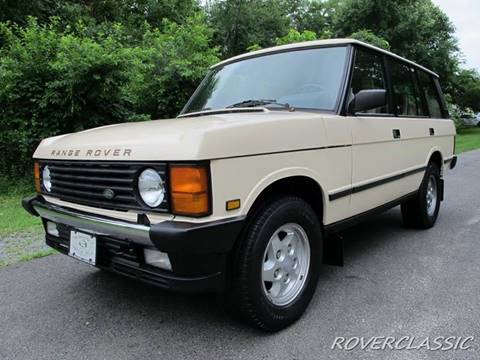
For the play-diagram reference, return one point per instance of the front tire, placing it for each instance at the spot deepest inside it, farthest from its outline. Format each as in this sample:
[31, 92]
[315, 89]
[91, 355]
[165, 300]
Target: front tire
[421, 212]
[277, 264]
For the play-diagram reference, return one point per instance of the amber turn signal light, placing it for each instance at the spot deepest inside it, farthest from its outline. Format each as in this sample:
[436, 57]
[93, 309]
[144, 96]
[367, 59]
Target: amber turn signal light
[36, 172]
[189, 186]
[233, 204]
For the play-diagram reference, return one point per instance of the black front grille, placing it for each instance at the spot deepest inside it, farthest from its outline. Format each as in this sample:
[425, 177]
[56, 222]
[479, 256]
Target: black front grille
[91, 183]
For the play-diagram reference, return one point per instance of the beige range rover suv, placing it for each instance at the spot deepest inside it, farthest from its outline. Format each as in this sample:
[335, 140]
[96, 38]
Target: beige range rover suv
[276, 151]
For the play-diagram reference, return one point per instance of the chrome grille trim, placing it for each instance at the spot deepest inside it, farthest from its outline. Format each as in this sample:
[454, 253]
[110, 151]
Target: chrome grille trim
[84, 182]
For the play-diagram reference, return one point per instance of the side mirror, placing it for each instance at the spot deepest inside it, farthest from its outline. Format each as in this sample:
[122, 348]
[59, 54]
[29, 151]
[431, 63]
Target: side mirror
[368, 99]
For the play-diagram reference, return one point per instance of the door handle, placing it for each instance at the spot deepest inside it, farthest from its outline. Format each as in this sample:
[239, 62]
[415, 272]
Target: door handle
[432, 131]
[396, 133]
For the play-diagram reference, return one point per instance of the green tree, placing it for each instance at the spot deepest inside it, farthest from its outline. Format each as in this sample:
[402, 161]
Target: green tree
[176, 59]
[134, 13]
[416, 29]
[125, 11]
[18, 11]
[466, 89]
[370, 38]
[239, 24]
[312, 15]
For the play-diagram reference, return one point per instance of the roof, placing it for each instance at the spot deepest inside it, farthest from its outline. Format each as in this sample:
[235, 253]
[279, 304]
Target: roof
[313, 44]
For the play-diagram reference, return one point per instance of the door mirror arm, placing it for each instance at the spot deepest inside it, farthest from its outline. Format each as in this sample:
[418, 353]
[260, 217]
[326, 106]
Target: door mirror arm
[367, 100]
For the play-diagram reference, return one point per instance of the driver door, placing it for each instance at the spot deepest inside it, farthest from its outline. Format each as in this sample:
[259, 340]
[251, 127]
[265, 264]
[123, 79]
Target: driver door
[377, 150]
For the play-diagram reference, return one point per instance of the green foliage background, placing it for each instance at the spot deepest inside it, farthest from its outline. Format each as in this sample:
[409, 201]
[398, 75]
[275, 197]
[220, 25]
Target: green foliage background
[75, 64]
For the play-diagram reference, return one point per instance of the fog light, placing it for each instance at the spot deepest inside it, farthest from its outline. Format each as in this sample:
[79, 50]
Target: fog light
[158, 259]
[52, 229]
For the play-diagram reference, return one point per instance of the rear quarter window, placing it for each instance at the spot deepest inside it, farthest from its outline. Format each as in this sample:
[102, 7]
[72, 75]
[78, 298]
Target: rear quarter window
[431, 94]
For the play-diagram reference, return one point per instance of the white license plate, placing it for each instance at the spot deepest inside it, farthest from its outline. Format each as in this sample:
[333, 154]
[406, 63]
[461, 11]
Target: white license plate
[83, 247]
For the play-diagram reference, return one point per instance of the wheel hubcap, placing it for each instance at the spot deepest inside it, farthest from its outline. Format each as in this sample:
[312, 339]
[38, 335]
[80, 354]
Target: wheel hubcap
[431, 197]
[286, 264]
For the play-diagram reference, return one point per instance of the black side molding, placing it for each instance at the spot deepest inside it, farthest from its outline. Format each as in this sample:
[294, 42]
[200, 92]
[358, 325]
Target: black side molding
[346, 223]
[376, 183]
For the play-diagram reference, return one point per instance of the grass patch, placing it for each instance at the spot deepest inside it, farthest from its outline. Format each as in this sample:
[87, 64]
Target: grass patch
[23, 246]
[13, 217]
[37, 254]
[468, 139]
[21, 234]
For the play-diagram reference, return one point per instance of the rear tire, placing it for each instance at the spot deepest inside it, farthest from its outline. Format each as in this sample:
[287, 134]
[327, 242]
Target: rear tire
[276, 265]
[421, 212]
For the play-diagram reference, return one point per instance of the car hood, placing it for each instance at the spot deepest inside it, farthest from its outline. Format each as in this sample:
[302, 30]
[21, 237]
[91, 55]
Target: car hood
[191, 138]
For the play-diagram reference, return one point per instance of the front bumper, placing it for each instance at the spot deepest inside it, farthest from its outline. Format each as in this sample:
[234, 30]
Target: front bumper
[197, 251]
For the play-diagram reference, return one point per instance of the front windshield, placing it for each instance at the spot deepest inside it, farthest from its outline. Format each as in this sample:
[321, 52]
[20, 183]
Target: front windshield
[308, 78]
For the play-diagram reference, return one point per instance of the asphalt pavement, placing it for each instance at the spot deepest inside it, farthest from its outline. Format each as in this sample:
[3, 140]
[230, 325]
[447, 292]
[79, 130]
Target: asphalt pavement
[396, 282]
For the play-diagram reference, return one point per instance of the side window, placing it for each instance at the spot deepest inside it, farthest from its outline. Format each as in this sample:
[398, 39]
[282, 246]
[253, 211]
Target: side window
[431, 94]
[368, 73]
[406, 95]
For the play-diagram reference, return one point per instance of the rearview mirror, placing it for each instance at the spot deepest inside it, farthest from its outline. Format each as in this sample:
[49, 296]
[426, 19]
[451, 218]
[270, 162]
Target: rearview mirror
[368, 99]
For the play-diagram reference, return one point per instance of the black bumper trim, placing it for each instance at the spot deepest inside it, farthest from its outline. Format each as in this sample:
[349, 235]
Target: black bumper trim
[27, 204]
[208, 283]
[199, 238]
[198, 251]
[452, 161]
[136, 269]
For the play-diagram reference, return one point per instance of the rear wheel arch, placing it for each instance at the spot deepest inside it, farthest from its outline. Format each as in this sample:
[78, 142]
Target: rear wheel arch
[416, 211]
[437, 159]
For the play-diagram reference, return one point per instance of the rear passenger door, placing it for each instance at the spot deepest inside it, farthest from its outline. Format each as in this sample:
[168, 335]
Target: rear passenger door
[388, 141]
[441, 129]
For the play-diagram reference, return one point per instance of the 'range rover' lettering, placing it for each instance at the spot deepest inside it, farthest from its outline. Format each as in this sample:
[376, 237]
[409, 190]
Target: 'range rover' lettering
[92, 152]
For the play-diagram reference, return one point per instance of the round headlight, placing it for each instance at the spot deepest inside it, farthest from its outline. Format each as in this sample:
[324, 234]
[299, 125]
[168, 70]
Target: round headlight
[46, 179]
[150, 187]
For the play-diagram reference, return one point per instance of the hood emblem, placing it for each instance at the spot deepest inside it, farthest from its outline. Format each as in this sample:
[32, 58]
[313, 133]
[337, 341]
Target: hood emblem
[109, 194]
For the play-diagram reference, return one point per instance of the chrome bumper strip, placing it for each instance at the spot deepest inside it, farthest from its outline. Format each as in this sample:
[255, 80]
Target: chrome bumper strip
[136, 233]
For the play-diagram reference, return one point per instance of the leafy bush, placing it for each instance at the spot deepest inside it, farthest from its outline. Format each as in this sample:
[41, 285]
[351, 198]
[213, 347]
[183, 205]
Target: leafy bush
[174, 62]
[370, 38]
[458, 112]
[59, 81]
[294, 36]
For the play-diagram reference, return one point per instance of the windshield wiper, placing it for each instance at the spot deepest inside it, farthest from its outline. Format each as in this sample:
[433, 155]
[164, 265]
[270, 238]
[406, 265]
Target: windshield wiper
[260, 102]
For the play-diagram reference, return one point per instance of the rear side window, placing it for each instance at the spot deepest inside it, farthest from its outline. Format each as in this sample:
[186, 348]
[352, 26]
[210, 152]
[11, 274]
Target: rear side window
[431, 94]
[406, 95]
[368, 73]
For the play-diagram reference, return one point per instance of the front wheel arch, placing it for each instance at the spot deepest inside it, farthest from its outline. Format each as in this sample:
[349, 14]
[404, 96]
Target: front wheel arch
[303, 187]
